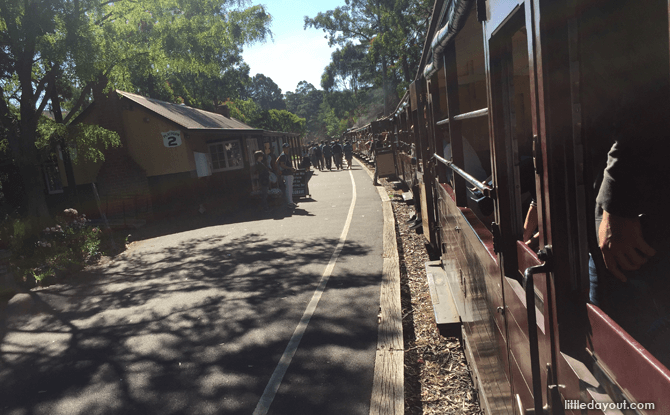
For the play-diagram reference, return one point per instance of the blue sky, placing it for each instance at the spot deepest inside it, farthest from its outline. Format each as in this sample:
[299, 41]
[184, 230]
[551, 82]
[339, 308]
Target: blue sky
[295, 54]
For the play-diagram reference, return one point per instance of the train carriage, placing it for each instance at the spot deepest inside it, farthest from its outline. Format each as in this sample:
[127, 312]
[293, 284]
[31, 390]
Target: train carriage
[510, 118]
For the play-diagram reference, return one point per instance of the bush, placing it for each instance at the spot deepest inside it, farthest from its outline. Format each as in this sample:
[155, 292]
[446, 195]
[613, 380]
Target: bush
[65, 247]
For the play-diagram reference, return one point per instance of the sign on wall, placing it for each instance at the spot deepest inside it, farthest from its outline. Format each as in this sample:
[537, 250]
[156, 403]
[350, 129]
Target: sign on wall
[202, 164]
[172, 139]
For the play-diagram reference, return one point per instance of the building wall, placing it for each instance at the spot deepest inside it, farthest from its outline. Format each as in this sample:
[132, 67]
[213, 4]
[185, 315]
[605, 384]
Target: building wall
[146, 146]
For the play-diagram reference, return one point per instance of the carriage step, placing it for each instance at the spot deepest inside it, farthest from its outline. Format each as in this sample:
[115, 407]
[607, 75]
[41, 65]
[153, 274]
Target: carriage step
[446, 314]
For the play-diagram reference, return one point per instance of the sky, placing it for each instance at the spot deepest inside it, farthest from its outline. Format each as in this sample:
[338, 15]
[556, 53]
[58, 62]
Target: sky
[294, 54]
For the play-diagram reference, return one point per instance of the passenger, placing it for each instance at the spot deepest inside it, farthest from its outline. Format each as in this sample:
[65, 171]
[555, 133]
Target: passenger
[312, 155]
[376, 147]
[318, 155]
[263, 171]
[287, 171]
[337, 154]
[634, 229]
[305, 163]
[327, 155]
[348, 153]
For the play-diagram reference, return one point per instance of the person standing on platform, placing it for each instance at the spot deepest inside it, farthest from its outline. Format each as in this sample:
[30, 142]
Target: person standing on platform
[284, 162]
[263, 178]
[312, 155]
[376, 146]
[348, 153]
[337, 154]
[318, 156]
[327, 155]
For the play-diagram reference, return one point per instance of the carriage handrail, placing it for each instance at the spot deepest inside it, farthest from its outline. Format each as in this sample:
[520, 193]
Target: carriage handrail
[472, 114]
[487, 190]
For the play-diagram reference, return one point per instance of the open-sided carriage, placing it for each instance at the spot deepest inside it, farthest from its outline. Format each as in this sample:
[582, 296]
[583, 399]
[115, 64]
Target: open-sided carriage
[517, 104]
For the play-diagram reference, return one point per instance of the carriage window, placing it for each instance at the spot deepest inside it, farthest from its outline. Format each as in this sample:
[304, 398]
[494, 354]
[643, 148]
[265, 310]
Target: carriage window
[468, 122]
[522, 139]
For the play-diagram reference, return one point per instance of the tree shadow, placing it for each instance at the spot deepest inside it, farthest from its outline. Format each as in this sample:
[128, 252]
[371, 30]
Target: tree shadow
[247, 212]
[186, 329]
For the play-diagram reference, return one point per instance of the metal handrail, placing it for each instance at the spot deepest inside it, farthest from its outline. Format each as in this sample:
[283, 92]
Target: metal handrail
[472, 114]
[483, 187]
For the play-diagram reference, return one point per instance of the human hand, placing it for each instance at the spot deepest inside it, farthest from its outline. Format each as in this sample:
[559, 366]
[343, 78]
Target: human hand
[622, 244]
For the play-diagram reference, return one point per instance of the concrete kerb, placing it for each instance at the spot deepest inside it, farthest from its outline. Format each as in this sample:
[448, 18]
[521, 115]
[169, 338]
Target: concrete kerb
[388, 396]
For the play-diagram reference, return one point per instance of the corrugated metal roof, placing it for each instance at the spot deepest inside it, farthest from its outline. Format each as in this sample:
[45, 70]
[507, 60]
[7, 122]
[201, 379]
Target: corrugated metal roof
[187, 117]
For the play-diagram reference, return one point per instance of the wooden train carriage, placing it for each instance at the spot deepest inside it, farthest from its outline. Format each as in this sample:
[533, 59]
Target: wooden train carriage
[527, 92]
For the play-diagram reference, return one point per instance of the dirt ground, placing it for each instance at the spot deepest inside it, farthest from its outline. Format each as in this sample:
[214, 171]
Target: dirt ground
[437, 378]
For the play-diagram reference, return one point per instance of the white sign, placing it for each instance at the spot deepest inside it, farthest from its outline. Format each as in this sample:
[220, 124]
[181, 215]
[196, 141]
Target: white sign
[202, 164]
[172, 139]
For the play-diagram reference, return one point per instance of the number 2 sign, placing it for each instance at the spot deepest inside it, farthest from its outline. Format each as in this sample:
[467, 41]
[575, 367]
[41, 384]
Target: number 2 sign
[172, 139]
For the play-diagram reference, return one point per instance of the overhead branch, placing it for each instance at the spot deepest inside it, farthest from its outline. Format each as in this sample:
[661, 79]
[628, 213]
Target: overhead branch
[103, 18]
[80, 101]
[46, 78]
[50, 86]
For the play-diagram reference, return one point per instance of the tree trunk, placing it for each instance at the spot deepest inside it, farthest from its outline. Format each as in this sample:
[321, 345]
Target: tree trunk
[31, 174]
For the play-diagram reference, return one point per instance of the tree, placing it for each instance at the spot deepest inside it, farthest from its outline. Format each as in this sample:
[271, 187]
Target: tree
[95, 45]
[265, 93]
[391, 30]
[246, 111]
[253, 115]
[305, 103]
[282, 120]
[348, 69]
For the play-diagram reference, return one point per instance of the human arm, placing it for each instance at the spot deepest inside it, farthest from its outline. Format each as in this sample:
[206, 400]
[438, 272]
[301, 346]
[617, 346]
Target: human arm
[530, 224]
[622, 245]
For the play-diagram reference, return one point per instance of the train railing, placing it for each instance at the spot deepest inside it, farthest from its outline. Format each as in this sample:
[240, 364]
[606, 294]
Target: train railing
[486, 190]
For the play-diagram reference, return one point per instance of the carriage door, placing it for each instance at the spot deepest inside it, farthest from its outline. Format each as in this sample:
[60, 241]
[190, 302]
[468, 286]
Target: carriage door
[514, 125]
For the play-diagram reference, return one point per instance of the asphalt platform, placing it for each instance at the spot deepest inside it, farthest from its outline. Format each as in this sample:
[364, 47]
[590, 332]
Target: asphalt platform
[198, 322]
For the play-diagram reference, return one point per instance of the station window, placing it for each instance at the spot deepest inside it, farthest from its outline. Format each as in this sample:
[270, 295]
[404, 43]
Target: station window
[226, 155]
[52, 178]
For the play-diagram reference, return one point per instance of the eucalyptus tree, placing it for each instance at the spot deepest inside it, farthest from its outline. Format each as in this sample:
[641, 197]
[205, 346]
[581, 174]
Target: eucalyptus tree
[48, 46]
[390, 30]
[265, 92]
[348, 69]
[305, 102]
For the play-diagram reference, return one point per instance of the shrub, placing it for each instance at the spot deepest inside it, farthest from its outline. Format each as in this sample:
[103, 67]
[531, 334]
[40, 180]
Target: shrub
[64, 247]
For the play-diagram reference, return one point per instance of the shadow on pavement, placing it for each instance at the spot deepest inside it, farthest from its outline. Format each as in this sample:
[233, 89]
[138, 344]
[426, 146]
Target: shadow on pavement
[187, 329]
[184, 222]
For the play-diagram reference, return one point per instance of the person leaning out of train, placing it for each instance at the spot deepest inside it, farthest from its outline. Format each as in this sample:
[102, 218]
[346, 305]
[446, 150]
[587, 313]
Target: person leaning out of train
[633, 229]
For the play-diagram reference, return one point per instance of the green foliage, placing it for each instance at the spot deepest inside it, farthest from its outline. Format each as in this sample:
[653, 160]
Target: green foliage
[246, 111]
[305, 103]
[264, 92]
[64, 247]
[59, 51]
[251, 114]
[85, 142]
[332, 125]
[380, 43]
[282, 120]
